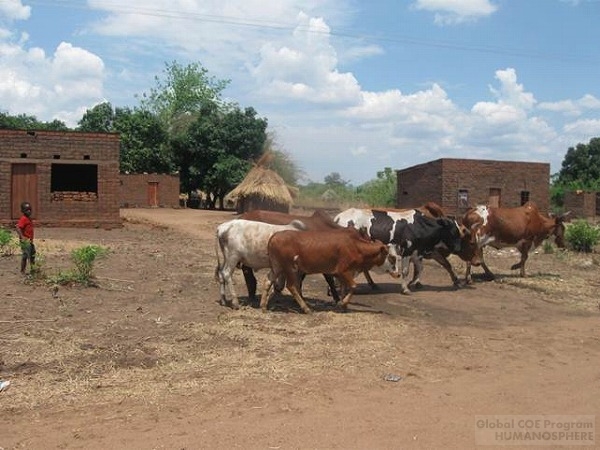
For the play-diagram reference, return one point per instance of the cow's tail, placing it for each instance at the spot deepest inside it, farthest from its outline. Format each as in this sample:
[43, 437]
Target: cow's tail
[217, 251]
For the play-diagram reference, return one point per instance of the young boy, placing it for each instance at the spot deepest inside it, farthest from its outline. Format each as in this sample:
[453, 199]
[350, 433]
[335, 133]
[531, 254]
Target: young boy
[25, 232]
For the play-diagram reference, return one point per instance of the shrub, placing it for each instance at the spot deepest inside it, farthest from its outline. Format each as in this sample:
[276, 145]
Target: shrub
[582, 236]
[84, 258]
[7, 242]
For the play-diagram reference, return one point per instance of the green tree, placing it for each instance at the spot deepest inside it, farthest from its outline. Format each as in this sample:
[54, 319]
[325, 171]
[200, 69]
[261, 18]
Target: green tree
[26, 122]
[380, 191]
[582, 164]
[99, 119]
[144, 142]
[220, 147]
[183, 90]
[334, 181]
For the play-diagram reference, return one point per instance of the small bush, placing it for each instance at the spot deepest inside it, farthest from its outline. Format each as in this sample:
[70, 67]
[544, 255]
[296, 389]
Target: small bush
[8, 242]
[84, 259]
[582, 236]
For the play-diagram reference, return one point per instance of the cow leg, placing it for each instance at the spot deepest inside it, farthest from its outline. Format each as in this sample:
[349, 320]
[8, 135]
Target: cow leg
[417, 262]
[221, 280]
[293, 288]
[347, 280]
[267, 293]
[370, 280]
[225, 274]
[443, 261]
[524, 248]
[250, 282]
[332, 287]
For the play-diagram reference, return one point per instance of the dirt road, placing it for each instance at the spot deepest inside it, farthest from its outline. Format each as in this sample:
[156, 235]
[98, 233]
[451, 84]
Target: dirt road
[148, 359]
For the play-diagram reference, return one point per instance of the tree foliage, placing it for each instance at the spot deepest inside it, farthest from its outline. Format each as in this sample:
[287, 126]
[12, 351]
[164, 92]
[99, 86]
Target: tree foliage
[183, 90]
[381, 191]
[219, 149]
[26, 122]
[582, 165]
[99, 119]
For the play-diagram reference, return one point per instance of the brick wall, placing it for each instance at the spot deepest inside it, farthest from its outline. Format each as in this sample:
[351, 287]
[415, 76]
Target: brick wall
[581, 204]
[442, 180]
[134, 190]
[420, 184]
[45, 148]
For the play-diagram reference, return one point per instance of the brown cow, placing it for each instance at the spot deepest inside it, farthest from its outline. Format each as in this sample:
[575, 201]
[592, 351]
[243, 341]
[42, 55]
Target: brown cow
[523, 227]
[319, 221]
[342, 253]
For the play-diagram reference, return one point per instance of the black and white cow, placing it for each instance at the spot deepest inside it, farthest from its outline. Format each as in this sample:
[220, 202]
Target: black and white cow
[409, 233]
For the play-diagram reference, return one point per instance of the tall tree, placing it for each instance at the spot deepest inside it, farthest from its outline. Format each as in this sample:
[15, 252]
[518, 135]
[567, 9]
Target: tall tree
[144, 142]
[581, 165]
[99, 119]
[184, 90]
[222, 143]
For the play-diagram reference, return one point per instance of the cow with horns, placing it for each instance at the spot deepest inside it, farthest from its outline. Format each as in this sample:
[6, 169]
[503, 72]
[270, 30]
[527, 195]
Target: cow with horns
[523, 227]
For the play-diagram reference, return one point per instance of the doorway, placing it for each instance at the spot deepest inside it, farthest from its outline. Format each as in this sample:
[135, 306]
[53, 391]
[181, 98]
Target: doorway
[23, 189]
[153, 193]
[494, 199]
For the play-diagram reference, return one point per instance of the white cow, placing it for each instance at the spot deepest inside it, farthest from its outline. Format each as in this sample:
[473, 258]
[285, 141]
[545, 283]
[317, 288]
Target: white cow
[244, 242]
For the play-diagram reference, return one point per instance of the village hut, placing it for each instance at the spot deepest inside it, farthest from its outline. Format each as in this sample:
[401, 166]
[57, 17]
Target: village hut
[262, 189]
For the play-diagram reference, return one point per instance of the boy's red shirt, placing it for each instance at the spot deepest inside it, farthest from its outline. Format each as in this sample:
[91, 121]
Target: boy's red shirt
[26, 226]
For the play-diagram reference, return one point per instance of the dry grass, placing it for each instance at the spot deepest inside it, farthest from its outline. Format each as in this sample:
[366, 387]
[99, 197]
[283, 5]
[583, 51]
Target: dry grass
[153, 327]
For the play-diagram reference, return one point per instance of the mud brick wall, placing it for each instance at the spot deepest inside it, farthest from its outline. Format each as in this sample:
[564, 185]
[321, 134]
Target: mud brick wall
[134, 190]
[581, 204]
[42, 149]
[441, 180]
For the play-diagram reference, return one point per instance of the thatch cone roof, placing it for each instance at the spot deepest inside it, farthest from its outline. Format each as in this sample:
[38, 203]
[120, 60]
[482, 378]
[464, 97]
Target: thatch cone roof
[265, 183]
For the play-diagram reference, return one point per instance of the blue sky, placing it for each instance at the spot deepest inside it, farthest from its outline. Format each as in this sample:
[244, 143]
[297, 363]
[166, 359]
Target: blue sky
[347, 86]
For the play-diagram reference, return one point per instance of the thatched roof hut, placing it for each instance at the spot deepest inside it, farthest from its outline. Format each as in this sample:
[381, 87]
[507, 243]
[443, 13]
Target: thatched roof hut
[262, 189]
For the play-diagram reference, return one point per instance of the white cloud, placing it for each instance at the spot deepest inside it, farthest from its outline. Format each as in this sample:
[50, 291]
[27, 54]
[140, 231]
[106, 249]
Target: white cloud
[449, 12]
[305, 68]
[572, 107]
[14, 10]
[60, 87]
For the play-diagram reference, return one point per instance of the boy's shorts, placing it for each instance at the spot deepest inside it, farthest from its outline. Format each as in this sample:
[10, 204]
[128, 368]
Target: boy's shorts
[28, 249]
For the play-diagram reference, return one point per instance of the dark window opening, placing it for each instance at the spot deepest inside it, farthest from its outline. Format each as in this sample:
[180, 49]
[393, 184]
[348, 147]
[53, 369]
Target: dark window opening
[86, 156]
[23, 155]
[55, 156]
[74, 178]
[463, 198]
[524, 197]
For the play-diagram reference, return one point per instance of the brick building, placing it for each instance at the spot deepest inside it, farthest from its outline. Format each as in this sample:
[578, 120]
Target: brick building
[70, 178]
[457, 184]
[149, 190]
[582, 204]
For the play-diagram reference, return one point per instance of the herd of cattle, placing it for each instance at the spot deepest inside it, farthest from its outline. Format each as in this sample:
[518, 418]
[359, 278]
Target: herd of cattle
[360, 240]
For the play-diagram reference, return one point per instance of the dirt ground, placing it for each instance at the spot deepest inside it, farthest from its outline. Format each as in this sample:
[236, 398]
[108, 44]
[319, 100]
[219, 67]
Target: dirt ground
[148, 359]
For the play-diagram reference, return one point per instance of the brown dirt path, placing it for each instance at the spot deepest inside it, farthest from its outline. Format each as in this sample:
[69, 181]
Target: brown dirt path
[155, 362]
